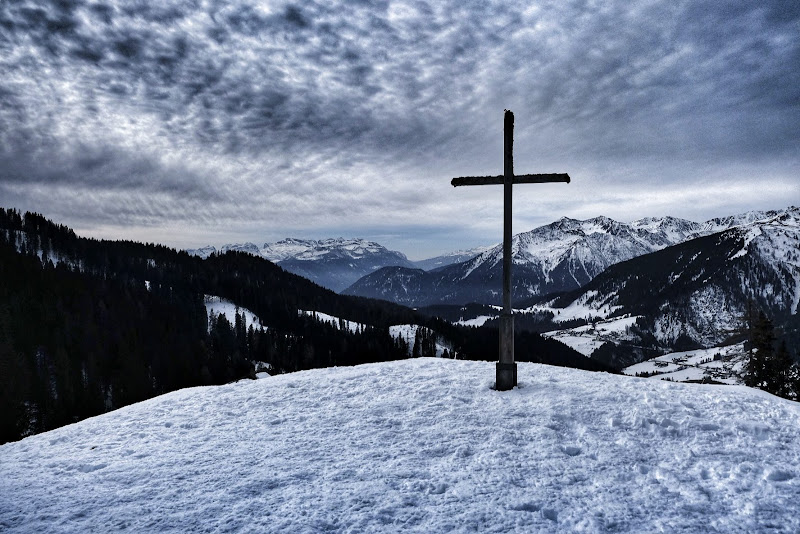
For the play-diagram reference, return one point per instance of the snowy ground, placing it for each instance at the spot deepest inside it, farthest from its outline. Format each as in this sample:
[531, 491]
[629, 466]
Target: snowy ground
[418, 446]
[723, 364]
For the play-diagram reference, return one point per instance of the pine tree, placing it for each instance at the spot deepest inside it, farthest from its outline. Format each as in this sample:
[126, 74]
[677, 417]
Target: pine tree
[759, 369]
[768, 369]
[782, 373]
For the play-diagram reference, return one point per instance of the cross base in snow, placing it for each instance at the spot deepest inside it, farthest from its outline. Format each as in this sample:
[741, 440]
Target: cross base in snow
[506, 368]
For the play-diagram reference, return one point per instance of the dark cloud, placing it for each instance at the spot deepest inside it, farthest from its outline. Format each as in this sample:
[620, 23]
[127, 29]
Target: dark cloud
[262, 105]
[101, 169]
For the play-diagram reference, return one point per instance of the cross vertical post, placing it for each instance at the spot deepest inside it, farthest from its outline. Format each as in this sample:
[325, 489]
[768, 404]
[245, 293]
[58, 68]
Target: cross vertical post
[506, 367]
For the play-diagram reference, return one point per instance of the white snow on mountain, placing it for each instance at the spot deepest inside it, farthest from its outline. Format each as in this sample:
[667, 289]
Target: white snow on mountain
[723, 223]
[585, 248]
[331, 263]
[417, 446]
[480, 320]
[351, 248]
[589, 305]
[406, 332]
[776, 239]
[300, 249]
[286, 248]
[202, 252]
[773, 243]
[589, 246]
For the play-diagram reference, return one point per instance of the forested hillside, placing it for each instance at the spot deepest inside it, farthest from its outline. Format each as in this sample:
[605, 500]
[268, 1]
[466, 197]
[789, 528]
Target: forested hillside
[87, 326]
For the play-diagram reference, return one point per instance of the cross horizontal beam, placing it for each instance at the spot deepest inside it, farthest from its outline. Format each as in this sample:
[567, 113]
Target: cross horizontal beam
[518, 179]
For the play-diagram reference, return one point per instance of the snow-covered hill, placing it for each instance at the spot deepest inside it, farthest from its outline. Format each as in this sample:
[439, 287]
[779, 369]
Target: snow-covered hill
[332, 263]
[417, 446]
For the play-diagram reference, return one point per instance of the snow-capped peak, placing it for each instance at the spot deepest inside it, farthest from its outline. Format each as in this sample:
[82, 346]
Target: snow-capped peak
[324, 248]
[286, 248]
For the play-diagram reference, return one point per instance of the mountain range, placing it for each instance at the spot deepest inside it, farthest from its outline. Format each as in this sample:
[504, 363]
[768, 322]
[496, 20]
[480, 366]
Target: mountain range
[562, 256]
[332, 263]
[668, 283]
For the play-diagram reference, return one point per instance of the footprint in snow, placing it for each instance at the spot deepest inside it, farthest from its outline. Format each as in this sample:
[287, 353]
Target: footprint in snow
[549, 513]
[89, 468]
[778, 475]
[526, 507]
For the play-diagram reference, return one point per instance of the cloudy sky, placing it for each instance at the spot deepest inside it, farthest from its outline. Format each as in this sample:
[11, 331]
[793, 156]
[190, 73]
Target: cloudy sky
[189, 122]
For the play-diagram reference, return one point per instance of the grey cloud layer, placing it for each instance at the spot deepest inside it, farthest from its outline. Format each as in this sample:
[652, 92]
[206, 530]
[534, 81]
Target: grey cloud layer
[248, 103]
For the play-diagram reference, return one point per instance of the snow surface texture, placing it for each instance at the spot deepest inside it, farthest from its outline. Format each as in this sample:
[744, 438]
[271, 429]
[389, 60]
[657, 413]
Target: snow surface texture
[417, 446]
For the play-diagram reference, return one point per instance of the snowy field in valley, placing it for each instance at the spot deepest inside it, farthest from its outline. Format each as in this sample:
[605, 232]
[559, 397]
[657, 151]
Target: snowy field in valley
[588, 338]
[723, 364]
[418, 446]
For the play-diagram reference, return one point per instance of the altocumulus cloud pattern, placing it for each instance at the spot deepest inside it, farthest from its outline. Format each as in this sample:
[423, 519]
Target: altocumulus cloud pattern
[147, 113]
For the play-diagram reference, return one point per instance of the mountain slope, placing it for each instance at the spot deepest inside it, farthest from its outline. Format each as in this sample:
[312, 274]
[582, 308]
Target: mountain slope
[419, 446]
[450, 258]
[698, 292]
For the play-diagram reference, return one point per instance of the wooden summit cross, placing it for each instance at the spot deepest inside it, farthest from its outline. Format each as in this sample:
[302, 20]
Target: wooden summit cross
[506, 368]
